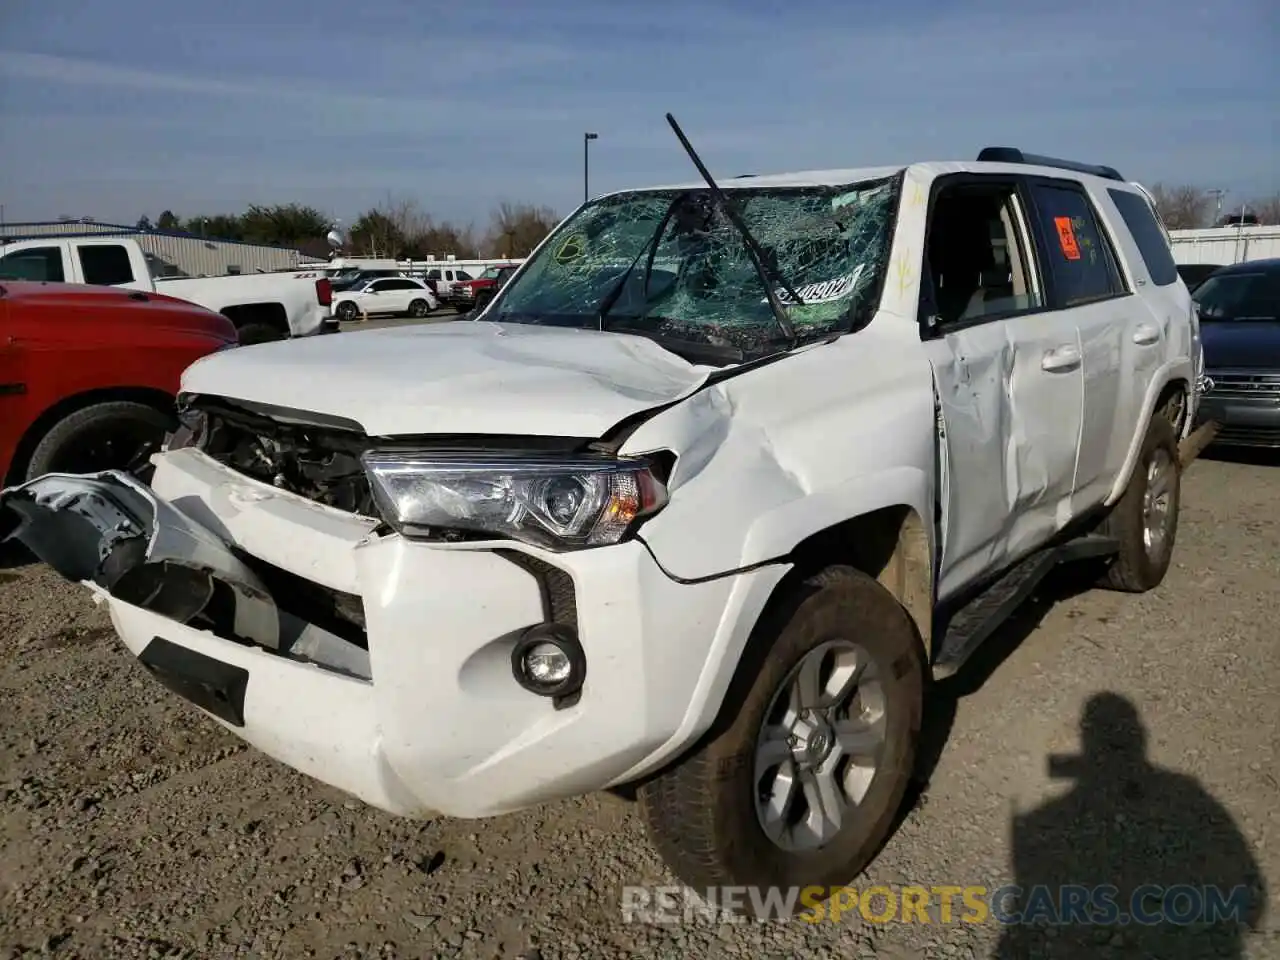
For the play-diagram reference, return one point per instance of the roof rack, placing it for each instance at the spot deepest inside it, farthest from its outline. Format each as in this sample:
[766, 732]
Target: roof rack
[1014, 155]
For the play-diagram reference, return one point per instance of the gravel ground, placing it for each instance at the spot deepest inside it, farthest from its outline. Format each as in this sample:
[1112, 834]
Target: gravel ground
[131, 826]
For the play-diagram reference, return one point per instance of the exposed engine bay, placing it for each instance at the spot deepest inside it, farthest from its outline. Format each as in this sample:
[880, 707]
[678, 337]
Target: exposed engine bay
[316, 462]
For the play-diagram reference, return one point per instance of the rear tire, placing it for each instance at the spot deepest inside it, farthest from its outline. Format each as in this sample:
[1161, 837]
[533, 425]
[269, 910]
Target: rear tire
[707, 816]
[419, 308]
[1145, 519]
[252, 333]
[346, 311]
[117, 435]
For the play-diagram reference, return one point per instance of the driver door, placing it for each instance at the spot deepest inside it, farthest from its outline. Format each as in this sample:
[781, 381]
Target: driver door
[1008, 376]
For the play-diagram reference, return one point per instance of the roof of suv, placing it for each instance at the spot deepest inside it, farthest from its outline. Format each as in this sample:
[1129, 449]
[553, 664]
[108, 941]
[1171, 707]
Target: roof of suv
[839, 177]
[1250, 266]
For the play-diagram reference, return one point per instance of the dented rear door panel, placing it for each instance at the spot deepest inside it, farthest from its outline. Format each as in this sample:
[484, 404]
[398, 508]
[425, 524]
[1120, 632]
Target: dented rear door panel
[1009, 435]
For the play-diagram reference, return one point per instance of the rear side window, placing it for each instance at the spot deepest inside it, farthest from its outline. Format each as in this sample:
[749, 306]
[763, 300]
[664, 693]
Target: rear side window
[1079, 257]
[1137, 216]
[34, 263]
[105, 264]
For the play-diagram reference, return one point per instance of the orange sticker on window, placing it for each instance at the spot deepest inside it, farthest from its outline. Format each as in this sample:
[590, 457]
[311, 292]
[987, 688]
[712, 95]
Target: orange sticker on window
[1067, 238]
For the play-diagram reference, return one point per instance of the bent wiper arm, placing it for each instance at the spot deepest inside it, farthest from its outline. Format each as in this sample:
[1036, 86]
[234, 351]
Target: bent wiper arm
[753, 248]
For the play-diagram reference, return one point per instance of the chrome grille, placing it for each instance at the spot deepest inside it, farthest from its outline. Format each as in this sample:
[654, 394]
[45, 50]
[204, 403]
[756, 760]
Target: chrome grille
[1245, 386]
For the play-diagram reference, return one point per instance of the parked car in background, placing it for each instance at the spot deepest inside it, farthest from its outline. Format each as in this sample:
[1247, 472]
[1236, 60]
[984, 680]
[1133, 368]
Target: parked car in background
[494, 279]
[1194, 274]
[88, 374]
[1240, 326]
[263, 306]
[444, 281]
[385, 295]
[466, 292]
[345, 280]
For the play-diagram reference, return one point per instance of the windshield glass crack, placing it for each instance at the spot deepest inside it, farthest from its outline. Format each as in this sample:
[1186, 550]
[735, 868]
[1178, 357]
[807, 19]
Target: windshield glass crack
[670, 265]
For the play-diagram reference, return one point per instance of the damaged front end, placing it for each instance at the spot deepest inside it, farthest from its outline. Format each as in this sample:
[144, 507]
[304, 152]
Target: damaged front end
[111, 533]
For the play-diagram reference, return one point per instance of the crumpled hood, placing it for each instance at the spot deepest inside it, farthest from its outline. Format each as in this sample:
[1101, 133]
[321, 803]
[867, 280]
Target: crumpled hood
[457, 377]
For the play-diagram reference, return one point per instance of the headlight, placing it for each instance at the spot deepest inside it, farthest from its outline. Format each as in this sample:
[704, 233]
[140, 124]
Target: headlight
[555, 502]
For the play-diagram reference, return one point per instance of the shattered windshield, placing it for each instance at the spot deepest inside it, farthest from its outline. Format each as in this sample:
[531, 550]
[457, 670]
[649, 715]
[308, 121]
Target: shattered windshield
[689, 275]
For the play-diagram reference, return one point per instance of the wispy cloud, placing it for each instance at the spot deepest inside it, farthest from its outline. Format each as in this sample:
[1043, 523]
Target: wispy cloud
[78, 72]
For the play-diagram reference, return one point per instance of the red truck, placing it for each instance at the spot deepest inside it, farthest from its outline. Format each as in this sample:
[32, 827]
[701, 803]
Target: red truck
[467, 295]
[88, 374]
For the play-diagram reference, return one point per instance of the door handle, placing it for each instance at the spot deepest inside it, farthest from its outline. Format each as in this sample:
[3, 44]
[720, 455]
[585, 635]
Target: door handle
[1061, 358]
[1146, 334]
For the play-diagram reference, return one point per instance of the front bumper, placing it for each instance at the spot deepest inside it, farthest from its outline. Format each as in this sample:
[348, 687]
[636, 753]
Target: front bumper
[421, 713]
[1246, 407]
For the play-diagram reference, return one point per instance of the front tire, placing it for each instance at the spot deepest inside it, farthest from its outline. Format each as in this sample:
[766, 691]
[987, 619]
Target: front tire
[1145, 518]
[117, 435]
[799, 781]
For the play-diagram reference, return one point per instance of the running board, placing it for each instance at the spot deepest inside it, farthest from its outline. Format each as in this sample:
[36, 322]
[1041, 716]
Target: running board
[977, 620]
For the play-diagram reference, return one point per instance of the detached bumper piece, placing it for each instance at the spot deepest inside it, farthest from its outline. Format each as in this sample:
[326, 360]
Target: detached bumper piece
[109, 532]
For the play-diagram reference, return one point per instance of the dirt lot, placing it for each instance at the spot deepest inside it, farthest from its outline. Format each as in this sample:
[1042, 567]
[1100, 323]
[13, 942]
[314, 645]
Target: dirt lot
[132, 826]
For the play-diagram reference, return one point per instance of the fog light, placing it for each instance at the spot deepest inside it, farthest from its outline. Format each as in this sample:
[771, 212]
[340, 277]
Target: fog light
[549, 661]
[547, 665]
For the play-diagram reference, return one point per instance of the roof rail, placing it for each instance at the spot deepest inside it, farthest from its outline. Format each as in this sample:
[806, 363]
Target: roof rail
[1014, 155]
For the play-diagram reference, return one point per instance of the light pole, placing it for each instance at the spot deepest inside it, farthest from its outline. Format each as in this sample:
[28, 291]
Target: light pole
[586, 163]
[1217, 195]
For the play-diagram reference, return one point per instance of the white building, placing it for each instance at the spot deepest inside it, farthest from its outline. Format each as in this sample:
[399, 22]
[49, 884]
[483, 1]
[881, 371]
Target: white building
[1225, 245]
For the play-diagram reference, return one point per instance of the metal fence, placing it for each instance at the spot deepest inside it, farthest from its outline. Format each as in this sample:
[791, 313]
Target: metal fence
[1225, 245]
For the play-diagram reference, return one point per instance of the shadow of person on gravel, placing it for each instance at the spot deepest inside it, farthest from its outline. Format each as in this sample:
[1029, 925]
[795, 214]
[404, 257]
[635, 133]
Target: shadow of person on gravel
[1129, 840]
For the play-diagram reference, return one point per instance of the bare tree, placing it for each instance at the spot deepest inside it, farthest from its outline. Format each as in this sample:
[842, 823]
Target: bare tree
[1182, 207]
[516, 228]
[408, 217]
[390, 229]
[1267, 209]
[444, 238]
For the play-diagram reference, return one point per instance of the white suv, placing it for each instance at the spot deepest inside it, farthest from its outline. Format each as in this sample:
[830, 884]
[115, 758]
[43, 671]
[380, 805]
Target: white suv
[651, 522]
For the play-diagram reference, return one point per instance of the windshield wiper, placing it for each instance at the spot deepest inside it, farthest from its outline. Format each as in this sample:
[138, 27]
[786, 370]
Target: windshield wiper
[767, 276]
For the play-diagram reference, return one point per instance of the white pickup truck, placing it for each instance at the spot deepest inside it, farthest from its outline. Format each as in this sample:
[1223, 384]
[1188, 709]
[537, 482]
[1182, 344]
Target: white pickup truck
[263, 306]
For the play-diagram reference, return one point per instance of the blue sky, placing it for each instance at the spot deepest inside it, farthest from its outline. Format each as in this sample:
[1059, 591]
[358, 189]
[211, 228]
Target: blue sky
[115, 109]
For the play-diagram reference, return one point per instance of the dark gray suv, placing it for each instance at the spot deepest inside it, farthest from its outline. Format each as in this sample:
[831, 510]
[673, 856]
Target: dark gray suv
[1240, 327]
